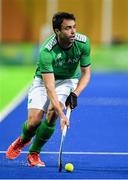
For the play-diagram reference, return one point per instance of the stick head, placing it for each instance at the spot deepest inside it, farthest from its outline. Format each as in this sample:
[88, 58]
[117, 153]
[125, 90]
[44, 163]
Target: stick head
[60, 166]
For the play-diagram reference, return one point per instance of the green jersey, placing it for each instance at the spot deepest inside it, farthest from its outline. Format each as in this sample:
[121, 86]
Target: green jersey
[64, 63]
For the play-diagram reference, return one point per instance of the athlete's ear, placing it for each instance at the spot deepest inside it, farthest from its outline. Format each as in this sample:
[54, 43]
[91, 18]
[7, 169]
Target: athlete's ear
[56, 31]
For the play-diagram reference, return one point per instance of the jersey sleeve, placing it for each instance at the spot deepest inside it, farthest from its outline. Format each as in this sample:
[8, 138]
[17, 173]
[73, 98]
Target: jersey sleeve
[45, 62]
[85, 58]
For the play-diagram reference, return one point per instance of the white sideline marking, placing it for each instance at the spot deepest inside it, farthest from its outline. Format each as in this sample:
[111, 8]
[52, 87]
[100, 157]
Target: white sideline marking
[103, 101]
[14, 103]
[91, 101]
[77, 153]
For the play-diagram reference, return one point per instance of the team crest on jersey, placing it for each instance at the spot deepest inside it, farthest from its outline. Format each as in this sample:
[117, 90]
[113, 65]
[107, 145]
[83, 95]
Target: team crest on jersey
[58, 56]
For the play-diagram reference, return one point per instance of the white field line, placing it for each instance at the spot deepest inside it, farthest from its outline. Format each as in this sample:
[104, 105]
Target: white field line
[77, 153]
[14, 103]
[103, 101]
[92, 101]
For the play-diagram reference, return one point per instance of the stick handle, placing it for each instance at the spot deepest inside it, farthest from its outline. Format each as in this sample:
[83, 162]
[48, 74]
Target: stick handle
[68, 112]
[68, 116]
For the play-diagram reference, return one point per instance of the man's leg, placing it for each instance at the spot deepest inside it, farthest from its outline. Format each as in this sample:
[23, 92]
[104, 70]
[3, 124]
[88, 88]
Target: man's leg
[30, 126]
[43, 134]
[28, 131]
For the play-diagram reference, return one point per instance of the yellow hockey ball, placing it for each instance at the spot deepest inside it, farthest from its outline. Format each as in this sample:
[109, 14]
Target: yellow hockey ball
[69, 167]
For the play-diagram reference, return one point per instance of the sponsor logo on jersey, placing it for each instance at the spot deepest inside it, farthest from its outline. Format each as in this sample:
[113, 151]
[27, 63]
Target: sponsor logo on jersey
[60, 62]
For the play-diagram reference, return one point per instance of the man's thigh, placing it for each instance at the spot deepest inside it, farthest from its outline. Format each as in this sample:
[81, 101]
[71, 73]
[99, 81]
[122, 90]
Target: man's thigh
[37, 96]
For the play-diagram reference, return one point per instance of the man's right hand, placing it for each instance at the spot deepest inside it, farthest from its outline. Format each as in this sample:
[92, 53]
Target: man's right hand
[64, 121]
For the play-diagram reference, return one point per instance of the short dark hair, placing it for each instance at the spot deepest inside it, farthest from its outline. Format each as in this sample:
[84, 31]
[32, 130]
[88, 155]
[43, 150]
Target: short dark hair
[59, 17]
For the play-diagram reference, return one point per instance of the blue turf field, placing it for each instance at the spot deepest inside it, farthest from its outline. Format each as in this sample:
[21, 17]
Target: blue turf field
[96, 143]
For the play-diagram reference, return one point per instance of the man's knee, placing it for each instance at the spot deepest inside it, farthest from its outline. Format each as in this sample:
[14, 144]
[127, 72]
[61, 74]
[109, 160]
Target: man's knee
[52, 115]
[34, 118]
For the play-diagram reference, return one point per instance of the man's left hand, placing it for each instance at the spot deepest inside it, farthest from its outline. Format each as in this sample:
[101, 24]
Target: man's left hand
[71, 100]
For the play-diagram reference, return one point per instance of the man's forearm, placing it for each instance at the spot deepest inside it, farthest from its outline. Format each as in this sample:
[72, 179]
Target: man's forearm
[83, 82]
[50, 87]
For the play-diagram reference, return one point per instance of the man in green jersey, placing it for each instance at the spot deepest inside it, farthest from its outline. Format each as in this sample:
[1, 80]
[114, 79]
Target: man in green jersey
[63, 71]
